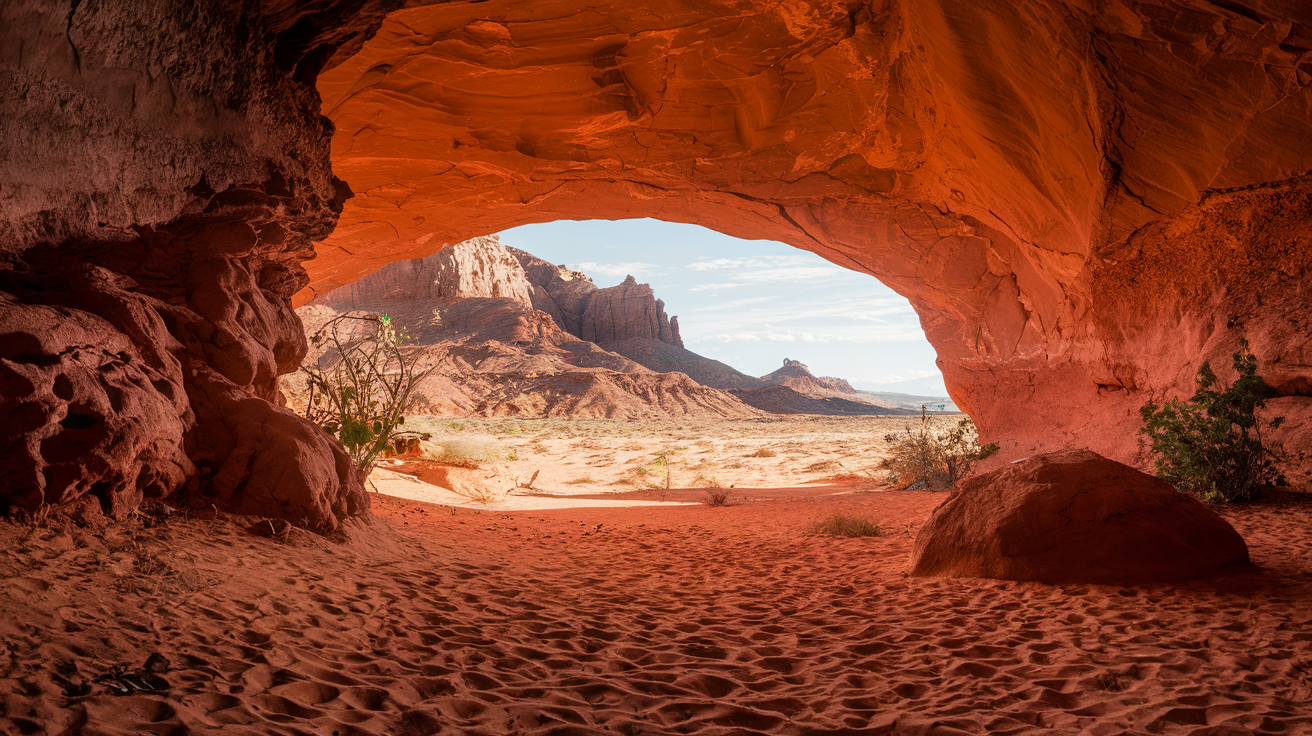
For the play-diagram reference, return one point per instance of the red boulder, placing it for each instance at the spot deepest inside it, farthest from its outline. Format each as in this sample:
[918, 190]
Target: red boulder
[1075, 517]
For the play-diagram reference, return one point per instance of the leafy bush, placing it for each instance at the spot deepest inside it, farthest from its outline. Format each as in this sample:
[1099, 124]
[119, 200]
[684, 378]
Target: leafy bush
[1211, 445]
[842, 525]
[932, 458]
[361, 389]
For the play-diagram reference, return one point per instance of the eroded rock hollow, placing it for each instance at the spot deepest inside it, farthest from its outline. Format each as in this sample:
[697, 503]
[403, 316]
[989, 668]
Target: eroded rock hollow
[163, 172]
[1082, 201]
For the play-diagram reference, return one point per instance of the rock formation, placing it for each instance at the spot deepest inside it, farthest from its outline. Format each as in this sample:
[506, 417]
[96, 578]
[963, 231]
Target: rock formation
[165, 171]
[1075, 517]
[558, 291]
[1082, 202]
[474, 316]
[795, 375]
[628, 311]
[481, 267]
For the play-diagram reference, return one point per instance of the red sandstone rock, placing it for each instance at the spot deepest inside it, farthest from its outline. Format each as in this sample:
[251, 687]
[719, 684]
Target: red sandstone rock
[558, 291]
[499, 357]
[164, 171]
[1075, 517]
[630, 310]
[468, 311]
[481, 267]
[795, 375]
[1082, 203]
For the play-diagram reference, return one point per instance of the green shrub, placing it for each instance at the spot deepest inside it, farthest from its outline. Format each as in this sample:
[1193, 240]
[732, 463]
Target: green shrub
[933, 458]
[363, 386]
[1211, 444]
[842, 525]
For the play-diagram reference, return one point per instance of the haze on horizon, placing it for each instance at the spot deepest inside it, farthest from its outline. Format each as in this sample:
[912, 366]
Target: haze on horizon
[752, 303]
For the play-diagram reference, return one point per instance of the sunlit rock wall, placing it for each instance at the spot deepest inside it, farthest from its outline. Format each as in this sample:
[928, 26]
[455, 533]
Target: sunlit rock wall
[163, 171]
[1083, 202]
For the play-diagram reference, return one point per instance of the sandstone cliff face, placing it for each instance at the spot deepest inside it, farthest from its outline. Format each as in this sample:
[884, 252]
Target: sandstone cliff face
[164, 172]
[629, 311]
[501, 357]
[500, 345]
[558, 291]
[481, 267]
[1082, 203]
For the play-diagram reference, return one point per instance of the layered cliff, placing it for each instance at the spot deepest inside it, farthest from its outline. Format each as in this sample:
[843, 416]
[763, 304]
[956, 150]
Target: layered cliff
[480, 267]
[627, 311]
[499, 346]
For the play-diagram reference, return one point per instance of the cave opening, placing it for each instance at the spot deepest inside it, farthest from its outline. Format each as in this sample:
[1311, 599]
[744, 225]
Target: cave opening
[648, 333]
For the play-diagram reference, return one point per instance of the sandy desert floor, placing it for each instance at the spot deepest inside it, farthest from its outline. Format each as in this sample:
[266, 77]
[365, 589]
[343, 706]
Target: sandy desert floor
[585, 458]
[650, 620]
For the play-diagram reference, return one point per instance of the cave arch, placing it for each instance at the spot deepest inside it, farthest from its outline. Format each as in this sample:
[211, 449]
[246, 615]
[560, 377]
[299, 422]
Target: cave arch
[1082, 204]
[975, 158]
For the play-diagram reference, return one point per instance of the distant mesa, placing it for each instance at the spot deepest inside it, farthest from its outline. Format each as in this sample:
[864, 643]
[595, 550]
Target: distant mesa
[514, 335]
[798, 377]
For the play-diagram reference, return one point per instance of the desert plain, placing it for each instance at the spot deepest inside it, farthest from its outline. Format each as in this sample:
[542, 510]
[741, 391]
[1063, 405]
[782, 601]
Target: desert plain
[617, 606]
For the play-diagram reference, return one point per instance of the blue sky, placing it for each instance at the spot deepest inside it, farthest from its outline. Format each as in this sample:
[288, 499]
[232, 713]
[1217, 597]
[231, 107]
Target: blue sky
[750, 303]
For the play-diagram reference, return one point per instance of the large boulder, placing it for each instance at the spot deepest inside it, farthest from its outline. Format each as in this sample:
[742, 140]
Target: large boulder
[1075, 517]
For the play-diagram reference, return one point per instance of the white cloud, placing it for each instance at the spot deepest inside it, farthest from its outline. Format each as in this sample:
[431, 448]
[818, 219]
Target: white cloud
[773, 269]
[713, 264]
[618, 270]
[714, 287]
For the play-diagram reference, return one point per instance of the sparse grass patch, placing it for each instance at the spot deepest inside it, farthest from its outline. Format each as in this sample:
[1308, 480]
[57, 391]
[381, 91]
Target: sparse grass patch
[469, 452]
[845, 525]
[584, 481]
[481, 495]
[716, 497]
[764, 452]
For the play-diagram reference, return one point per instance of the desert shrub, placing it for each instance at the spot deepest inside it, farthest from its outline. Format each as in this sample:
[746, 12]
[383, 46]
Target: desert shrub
[469, 452]
[933, 458]
[715, 497]
[843, 525]
[1211, 444]
[763, 452]
[706, 481]
[363, 386]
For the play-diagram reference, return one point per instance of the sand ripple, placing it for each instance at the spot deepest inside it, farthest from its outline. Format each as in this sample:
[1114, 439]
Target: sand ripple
[685, 620]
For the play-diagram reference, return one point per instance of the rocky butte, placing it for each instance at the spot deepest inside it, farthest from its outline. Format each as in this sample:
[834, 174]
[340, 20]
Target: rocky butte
[1083, 202]
[505, 333]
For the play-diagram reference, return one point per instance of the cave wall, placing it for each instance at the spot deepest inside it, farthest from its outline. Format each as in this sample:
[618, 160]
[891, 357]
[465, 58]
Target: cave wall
[1083, 201]
[163, 172]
